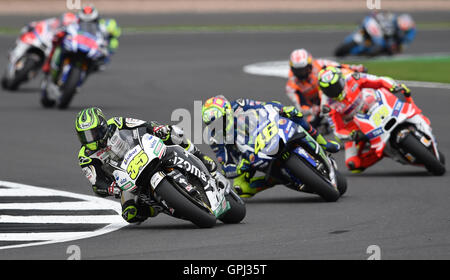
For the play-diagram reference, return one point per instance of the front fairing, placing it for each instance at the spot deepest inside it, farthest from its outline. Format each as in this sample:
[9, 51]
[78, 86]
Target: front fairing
[273, 149]
[88, 41]
[141, 152]
[385, 115]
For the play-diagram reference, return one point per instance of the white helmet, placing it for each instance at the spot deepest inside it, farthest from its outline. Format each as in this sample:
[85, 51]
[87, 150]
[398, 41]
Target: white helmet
[88, 13]
[300, 62]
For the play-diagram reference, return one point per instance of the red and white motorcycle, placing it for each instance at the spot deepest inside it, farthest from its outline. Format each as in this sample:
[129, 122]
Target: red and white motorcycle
[399, 130]
[27, 57]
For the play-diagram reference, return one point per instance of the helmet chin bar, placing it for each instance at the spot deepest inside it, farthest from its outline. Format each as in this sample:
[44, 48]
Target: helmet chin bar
[302, 73]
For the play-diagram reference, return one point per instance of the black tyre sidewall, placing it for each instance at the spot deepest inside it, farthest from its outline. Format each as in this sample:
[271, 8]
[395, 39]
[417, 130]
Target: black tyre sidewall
[413, 146]
[344, 49]
[236, 213]
[313, 181]
[180, 203]
[341, 182]
[69, 87]
[22, 75]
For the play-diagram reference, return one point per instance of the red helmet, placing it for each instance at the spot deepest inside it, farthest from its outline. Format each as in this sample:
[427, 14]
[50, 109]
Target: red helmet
[301, 63]
[68, 18]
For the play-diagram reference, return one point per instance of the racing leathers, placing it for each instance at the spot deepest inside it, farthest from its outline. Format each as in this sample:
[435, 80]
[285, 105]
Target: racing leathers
[358, 155]
[236, 166]
[305, 94]
[107, 28]
[387, 33]
[97, 169]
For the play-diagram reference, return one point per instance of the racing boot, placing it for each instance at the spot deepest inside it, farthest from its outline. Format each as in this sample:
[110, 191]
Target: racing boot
[328, 145]
[134, 212]
[359, 156]
[247, 187]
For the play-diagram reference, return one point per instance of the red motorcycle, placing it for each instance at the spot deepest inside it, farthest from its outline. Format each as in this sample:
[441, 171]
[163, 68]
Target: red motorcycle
[399, 130]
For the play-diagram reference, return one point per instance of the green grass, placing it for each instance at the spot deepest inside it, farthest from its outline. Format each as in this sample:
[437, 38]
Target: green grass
[245, 28]
[428, 69]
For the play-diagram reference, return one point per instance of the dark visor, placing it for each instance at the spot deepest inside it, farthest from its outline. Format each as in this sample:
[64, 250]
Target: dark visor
[335, 90]
[301, 73]
[92, 135]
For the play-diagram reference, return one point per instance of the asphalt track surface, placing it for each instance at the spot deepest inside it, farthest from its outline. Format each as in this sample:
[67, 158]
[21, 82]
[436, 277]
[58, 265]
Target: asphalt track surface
[401, 209]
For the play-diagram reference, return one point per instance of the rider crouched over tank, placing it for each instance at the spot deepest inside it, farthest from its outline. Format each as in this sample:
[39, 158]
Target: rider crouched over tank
[232, 124]
[103, 147]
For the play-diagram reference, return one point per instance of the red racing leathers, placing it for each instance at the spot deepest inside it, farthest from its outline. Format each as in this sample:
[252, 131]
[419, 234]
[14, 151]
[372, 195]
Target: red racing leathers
[305, 93]
[341, 113]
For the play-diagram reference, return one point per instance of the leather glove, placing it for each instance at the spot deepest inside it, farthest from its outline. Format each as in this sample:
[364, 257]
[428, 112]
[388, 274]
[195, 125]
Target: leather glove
[328, 145]
[289, 111]
[243, 166]
[358, 136]
[209, 163]
[401, 88]
[162, 131]
[360, 68]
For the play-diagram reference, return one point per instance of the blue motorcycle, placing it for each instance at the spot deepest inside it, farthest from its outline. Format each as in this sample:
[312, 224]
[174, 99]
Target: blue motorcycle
[82, 49]
[373, 37]
[287, 154]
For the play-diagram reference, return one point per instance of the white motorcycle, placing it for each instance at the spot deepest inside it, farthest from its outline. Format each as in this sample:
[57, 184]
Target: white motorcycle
[27, 57]
[172, 180]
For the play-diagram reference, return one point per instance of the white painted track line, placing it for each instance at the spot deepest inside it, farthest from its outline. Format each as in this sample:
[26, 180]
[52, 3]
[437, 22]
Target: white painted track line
[43, 235]
[92, 219]
[56, 206]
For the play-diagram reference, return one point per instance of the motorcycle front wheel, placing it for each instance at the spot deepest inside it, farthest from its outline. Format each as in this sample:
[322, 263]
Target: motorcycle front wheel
[69, 88]
[344, 49]
[312, 179]
[237, 211]
[183, 206]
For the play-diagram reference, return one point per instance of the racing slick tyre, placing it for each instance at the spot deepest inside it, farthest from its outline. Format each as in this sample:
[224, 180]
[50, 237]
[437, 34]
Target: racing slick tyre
[69, 88]
[312, 179]
[47, 102]
[21, 75]
[237, 211]
[413, 146]
[442, 157]
[344, 49]
[4, 83]
[183, 206]
[341, 183]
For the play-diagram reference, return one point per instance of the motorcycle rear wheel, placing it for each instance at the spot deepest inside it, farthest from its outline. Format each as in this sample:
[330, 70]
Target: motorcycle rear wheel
[413, 146]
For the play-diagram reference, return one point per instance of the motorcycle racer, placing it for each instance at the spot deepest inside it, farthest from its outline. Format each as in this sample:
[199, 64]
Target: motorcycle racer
[101, 145]
[43, 31]
[302, 85]
[88, 16]
[383, 33]
[405, 31]
[342, 99]
[234, 164]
